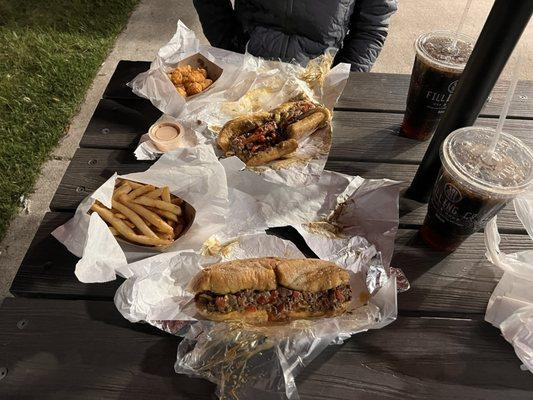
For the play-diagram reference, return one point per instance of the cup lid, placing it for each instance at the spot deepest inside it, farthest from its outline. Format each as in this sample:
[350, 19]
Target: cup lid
[507, 171]
[445, 49]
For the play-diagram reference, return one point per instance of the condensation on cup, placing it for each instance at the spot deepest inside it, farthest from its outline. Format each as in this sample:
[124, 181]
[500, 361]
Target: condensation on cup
[474, 184]
[440, 59]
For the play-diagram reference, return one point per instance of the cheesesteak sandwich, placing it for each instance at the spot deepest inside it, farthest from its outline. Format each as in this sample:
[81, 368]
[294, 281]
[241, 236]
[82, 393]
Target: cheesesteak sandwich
[266, 136]
[259, 290]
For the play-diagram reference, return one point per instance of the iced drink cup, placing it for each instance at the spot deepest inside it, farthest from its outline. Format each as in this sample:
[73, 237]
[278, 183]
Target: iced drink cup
[474, 184]
[440, 59]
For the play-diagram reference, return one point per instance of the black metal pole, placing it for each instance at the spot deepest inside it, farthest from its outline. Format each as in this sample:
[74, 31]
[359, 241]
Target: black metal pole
[505, 23]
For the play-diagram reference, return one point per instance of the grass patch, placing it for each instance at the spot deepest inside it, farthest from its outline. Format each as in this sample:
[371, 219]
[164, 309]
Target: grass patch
[50, 52]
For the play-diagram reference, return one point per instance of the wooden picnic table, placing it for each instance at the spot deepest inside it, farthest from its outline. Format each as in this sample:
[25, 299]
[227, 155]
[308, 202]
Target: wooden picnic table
[61, 339]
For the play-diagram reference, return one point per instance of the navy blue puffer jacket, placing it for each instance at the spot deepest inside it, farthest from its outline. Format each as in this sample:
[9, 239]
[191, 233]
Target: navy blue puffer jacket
[299, 29]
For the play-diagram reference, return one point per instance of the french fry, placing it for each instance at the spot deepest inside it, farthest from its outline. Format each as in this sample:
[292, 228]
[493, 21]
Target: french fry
[140, 191]
[119, 215]
[162, 205]
[124, 230]
[177, 201]
[167, 214]
[148, 215]
[154, 194]
[135, 218]
[165, 194]
[134, 185]
[164, 236]
[123, 189]
[172, 224]
[129, 223]
[114, 232]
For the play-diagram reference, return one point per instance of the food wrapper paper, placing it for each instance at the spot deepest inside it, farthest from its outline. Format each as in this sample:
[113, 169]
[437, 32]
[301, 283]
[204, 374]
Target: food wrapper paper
[338, 212]
[262, 362]
[247, 361]
[193, 174]
[248, 84]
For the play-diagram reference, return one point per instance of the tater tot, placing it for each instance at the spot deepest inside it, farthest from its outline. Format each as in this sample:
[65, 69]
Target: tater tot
[193, 76]
[176, 77]
[181, 90]
[206, 83]
[193, 88]
[184, 69]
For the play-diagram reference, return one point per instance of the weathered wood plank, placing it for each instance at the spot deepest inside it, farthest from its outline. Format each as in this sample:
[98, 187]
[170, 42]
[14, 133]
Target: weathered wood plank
[90, 168]
[86, 350]
[358, 136]
[125, 71]
[459, 282]
[47, 269]
[456, 283]
[363, 92]
[388, 93]
[87, 171]
[119, 123]
[369, 136]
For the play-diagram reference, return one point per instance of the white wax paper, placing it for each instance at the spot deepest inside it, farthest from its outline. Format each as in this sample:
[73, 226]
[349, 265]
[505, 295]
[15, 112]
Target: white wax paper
[363, 212]
[248, 84]
[156, 86]
[157, 290]
[193, 174]
[227, 353]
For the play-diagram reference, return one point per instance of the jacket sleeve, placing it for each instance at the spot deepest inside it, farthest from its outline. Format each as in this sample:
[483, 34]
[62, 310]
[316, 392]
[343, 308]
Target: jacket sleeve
[368, 29]
[221, 25]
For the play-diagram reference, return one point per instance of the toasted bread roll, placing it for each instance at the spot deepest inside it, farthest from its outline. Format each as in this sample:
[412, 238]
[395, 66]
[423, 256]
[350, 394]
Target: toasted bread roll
[262, 290]
[239, 125]
[314, 119]
[252, 317]
[232, 276]
[273, 153]
[314, 276]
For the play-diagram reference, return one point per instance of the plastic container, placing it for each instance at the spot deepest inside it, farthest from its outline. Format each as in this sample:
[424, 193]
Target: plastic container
[166, 135]
[437, 68]
[474, 185]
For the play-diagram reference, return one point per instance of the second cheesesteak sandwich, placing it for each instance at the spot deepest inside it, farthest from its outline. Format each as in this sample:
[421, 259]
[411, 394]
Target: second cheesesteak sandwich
[266, 136]
[259, 290]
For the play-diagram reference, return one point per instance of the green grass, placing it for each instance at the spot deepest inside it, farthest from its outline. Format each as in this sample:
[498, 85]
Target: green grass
[50, 51]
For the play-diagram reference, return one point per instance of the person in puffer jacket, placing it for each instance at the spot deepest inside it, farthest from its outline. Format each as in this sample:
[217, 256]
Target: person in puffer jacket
[299, 29]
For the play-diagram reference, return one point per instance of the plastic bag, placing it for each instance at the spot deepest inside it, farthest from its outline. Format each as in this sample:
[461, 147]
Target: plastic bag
[518, 330]
[510, 307]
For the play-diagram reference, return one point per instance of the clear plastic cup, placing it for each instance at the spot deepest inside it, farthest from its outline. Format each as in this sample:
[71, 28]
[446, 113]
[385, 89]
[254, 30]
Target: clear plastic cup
[474, 184]
[440, 59]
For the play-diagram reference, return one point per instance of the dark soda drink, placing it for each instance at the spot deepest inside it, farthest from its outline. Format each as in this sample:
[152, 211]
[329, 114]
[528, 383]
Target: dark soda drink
[474, 184]
[439, 63]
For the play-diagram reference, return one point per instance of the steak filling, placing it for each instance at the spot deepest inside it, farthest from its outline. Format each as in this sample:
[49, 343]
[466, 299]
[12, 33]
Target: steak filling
[294, 113]
[277, 303]
[258, 139]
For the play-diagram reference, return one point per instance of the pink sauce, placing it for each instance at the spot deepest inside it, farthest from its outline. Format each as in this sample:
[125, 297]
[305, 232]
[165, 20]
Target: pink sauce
[166, 132]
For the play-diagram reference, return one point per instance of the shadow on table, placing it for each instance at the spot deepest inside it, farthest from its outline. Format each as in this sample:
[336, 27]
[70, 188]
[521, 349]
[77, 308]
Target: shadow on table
[157, 360]
[392, 146]
[430, 358]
